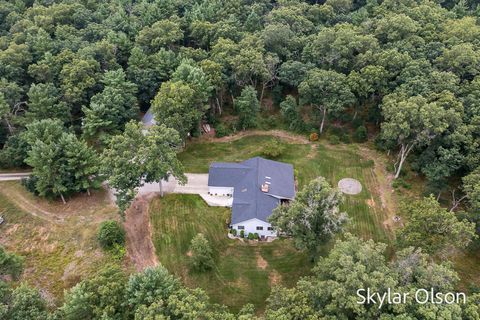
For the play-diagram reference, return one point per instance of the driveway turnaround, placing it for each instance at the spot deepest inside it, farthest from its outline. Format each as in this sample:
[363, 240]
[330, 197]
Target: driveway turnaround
[197, 183]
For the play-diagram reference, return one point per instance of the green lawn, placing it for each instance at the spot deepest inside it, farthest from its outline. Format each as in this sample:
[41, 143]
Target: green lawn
[331, 162]
[244, 273]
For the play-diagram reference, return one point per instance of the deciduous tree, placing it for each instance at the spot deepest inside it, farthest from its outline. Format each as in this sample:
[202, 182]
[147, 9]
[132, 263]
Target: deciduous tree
[313, 218]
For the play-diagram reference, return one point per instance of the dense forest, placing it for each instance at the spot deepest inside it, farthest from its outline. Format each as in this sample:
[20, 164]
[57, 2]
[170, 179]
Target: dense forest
[76, 76]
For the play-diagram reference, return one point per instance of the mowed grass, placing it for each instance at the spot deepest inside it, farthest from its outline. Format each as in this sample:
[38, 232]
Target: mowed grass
[243, 273]
[309, 161]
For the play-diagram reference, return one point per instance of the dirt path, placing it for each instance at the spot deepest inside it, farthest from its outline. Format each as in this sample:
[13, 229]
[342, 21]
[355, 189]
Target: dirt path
[30, 207]
[291, 137]
[384, 187]
[140, 247]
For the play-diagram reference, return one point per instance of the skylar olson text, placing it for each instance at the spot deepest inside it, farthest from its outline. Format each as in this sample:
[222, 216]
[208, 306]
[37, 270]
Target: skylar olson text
[421, 296]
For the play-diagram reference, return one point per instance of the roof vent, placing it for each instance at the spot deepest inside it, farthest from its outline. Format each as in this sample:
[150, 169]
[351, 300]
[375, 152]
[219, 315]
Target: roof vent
[264, 187]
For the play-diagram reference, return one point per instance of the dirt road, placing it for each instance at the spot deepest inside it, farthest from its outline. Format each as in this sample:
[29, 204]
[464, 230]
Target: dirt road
[140, 247]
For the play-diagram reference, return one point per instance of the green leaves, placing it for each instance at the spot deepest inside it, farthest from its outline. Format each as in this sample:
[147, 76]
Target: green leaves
[140, 155]
[313, 217]
[247, 107]
[61, 163]
[433, 228]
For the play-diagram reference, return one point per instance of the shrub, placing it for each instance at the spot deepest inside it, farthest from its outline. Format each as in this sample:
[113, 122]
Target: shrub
[10, 264]
[273, 148]
[345, 138]
[30, 183]
[313, 136]
[250, 236]
[117, 251]
[111, 233]
[361, 134]
[202, 258]
[221, 131]
[256, 236]
[400, 183]
[357, 122]
[334, 139]
[234, 232]
[242, 233]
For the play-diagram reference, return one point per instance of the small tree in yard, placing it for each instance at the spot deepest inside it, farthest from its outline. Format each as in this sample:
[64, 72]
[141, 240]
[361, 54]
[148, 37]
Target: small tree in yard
[202, 258]
[247, 106]
[313, 217]
[111, 233]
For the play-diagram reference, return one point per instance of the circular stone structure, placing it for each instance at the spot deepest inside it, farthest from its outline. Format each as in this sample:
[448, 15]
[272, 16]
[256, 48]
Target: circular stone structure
[350, 186]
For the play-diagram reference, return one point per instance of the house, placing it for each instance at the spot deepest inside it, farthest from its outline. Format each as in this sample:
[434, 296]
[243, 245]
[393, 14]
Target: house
[257, 186]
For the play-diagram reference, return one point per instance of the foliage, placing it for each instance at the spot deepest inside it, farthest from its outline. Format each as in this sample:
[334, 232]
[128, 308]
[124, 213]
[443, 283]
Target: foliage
[111, 233]
[62, 164]
[273, 148]
[202, 259]
[10, 264]
[331, 291]
[313, 217]
[135, 157]
[248, 106]
[361, 134]
[434, 229]
[250, 236]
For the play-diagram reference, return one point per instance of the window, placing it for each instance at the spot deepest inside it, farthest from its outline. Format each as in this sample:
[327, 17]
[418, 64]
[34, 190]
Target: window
[241, 227]
[259, 228]
[270, 228]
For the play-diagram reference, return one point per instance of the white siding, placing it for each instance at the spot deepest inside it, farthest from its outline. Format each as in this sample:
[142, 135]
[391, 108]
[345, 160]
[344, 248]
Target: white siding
[220, 191]
[251, 226]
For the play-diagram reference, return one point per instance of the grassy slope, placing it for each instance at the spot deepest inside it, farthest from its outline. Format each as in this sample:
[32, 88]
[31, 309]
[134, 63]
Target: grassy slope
[239, 277]
[241, 274]
[57, 254]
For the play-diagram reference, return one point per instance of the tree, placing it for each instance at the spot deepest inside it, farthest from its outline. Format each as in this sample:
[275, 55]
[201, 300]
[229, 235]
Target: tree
[102, 296]
[139, 156]
[110, 109]
[44, 103]
[163, 33]
[26, 303]
[201, 259]
[471, 187]
[327, 91]
[247, 106]
[413, 122]
[291, 113]
[175, 106]
[434, 228]
[62, 165]
[148, 71]
[10, 264]
[314, 216]
[332, 290]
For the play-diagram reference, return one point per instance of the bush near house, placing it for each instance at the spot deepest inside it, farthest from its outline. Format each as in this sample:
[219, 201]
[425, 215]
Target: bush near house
[242, 234]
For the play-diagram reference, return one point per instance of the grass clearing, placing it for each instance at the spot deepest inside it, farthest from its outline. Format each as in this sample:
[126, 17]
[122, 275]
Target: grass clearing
[58, 241]
[244, 273]
[310, 161]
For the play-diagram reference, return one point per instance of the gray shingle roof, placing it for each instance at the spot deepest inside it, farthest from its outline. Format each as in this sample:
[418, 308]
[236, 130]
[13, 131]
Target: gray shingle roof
[247, 178]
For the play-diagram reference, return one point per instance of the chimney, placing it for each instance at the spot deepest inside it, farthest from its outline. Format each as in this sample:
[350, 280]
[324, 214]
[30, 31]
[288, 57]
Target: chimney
[264, 187]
